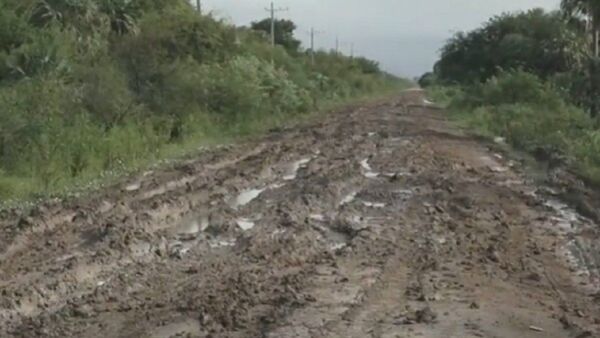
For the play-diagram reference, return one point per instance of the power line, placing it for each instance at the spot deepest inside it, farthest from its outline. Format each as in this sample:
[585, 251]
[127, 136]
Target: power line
[274, 10]
[348, 44]
[312, 44]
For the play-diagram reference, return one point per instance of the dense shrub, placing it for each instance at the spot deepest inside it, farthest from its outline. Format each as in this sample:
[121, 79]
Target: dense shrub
[513, 87]
[532, 115]
[100, 86]
[535, 41]
[527, 77]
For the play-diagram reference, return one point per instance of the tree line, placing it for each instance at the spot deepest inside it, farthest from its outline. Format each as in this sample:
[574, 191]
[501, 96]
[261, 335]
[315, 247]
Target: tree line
[559, 46]
[532, 77]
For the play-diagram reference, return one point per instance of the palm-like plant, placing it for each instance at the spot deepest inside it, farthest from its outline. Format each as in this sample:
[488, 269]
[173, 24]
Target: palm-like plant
[589, 10]
[122, 15]
[86, 15]
[67, 12]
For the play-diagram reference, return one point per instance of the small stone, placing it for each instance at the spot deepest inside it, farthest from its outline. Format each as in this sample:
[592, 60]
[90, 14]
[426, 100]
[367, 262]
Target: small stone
[492, 255]
[535, 328]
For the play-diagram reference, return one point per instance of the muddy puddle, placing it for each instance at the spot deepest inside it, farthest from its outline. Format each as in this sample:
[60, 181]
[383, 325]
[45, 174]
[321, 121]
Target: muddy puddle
[245, 197]
[192, 224]
[349, 198]
[581, 252]
[222, 243]
[292, 171]
[368, 172]
[376, 205]
[245, 224]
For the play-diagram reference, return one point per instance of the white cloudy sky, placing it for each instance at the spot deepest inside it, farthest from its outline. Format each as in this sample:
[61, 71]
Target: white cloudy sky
[403, 35]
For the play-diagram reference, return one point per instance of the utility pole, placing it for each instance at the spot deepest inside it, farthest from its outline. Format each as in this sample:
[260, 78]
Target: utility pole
[272, 24]
[199, 6]
[272, 10]
[337, 46]
[312, 44]
[352, 50]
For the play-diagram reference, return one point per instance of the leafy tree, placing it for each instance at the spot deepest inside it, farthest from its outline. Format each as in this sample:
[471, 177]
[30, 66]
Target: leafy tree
[535, 41]
[427, 80]
[367, 66]
[284, 33]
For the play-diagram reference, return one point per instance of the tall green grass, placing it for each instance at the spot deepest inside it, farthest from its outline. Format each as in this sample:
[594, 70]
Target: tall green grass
[89, 92]
[533, 116]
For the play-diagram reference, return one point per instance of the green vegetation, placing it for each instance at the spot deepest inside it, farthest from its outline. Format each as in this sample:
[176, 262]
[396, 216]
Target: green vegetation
[526, 77]
[535, 41]
[284, 33]
[93, 88]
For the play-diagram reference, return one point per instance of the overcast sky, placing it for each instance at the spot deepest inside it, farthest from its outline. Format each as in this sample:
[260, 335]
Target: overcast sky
[403, 35]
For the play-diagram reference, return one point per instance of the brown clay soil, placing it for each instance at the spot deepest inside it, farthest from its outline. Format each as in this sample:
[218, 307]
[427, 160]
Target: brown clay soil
[376, 221]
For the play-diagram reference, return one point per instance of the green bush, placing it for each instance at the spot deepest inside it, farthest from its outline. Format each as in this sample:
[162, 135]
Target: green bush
[525, 76]
[536, 41]
[444, 95]
[512, 87]
[532, 115]
[94, 88]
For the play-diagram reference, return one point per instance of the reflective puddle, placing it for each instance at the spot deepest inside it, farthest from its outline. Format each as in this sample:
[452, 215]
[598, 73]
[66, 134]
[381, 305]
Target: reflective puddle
[317, 217]
[348, 198]
[373, 205]
[245, 197]
[292, 171]
[367, 170]
[245, 224]
[222, 243]
[581, 252]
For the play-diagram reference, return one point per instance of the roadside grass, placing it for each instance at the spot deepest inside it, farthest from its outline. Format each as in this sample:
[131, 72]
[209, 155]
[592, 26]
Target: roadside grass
[531, 115]
[442, 96]
[201, 134]
[84, 101]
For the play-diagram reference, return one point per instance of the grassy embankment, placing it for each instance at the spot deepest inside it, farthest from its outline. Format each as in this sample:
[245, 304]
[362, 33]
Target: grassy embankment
[95, 89]
[531, 114]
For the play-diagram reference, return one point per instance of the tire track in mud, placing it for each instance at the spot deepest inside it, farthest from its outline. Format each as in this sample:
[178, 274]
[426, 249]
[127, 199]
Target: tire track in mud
[378, 221]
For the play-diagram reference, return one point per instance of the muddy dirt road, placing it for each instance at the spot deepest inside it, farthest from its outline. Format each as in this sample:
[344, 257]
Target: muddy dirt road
[376, 221]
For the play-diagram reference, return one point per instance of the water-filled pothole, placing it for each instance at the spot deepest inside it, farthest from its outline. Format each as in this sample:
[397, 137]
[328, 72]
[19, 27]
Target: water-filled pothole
[367, 170]
[292, 170]
[245, 197]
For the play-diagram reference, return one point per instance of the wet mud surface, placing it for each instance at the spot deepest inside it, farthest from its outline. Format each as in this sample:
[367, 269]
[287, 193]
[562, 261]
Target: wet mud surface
[377, 221]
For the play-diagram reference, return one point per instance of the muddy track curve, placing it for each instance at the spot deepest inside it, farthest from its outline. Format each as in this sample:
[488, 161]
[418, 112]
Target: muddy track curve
[381, 220]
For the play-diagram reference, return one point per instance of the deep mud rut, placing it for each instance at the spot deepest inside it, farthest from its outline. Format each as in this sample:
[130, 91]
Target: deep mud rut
[377, 221]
